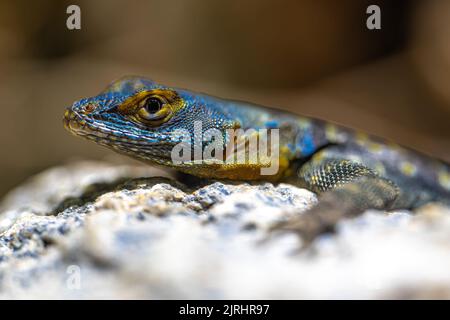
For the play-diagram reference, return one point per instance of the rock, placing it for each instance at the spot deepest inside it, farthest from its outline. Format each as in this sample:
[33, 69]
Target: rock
[95, 230]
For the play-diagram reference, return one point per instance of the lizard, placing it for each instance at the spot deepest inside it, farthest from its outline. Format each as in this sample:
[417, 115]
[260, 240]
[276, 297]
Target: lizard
[349, 170]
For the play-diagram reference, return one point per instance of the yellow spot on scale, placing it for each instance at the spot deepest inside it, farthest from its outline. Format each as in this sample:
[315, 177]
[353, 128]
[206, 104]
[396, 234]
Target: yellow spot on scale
[393, 146]
[116, 86]
[379, 167]
[354, 158]
[288, 172]
[375, 147]
[361, 138]
[319, 156]
[331, 132]
[408, 169]
[286, 153]
[444, 179]
[353, 188]
[304, 123]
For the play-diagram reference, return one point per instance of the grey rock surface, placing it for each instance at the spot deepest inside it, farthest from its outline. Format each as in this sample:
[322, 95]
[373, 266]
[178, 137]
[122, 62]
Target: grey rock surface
[96, 230]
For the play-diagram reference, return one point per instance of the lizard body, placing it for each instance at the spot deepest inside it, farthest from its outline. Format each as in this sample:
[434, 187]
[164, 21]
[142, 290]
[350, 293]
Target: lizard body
[351, 171]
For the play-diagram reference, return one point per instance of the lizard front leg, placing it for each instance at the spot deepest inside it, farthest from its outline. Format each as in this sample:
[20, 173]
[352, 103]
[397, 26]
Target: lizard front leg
[345, 188]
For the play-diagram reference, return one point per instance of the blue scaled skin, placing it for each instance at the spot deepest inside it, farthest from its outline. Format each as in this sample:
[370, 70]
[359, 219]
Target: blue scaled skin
[350, 171]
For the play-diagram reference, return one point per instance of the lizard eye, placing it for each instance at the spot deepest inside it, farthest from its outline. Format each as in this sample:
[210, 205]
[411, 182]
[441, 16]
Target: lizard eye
[152, 105]
[153, 110]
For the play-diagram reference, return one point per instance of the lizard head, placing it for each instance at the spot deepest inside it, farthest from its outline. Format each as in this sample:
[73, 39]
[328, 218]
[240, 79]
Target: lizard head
[138, 117]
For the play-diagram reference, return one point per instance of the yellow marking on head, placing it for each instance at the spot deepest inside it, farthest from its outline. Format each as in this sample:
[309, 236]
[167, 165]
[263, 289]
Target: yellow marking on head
[444, 179]
[407, 168]
[115, 86]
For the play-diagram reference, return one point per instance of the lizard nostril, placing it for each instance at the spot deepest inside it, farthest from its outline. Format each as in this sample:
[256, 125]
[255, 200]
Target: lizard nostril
[89, 107]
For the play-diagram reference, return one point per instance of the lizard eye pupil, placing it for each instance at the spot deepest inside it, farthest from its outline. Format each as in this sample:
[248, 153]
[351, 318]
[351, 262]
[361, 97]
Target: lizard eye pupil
[153, 105]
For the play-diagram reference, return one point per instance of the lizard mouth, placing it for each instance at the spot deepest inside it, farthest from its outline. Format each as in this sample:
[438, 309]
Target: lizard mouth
[96, 130]
[80, 125]
[86, 127]
[72, 121]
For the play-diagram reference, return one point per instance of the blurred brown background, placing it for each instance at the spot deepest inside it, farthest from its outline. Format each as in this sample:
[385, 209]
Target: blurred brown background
[311, 57]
